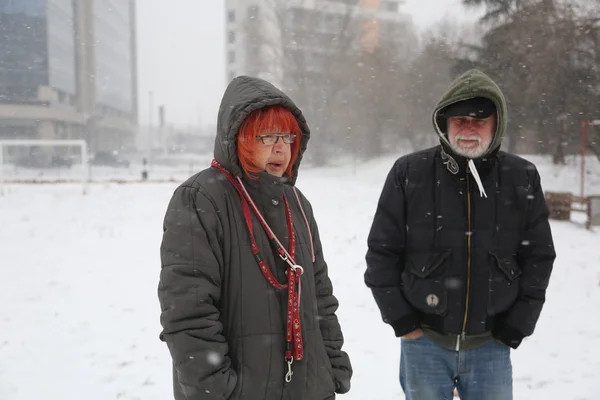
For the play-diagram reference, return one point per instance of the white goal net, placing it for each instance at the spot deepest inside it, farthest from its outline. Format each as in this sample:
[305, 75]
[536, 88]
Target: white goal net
[44, 161]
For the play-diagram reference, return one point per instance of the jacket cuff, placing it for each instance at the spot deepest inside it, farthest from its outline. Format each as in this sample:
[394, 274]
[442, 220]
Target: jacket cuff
[342, 385]
[406, 324]
[508, 335]
[341, 379]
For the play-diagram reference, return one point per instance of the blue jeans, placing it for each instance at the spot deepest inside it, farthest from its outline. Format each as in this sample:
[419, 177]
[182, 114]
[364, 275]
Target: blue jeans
[431, 372]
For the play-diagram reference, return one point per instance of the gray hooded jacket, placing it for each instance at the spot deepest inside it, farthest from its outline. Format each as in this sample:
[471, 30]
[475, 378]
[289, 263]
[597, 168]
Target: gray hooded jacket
[224, 324]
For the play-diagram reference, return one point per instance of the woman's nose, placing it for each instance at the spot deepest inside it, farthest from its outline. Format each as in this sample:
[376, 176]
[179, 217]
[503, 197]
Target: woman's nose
[279, 146]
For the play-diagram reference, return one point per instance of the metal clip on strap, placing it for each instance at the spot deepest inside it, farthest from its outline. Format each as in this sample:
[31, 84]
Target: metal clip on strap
[288, 376]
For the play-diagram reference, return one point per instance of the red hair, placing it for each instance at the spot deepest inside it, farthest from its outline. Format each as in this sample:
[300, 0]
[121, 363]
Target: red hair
[272, 119]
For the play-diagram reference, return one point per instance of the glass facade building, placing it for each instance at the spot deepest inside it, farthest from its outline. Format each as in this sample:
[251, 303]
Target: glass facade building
[68, 70]
[61, 45]
[112, 28]
[24, 50]
[38, 49]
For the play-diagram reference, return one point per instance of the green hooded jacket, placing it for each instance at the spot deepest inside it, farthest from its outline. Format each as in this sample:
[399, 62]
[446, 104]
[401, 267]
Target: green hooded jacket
[472, 83]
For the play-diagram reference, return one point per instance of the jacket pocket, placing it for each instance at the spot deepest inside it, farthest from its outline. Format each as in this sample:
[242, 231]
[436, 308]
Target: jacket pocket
[504, 282]
[423, 281]
[322, 383]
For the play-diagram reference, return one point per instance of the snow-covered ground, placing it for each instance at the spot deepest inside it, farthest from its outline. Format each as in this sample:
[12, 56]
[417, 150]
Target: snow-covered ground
[79, 315]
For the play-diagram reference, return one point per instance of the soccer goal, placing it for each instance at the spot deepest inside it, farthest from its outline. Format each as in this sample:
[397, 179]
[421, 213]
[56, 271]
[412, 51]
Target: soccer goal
[20, 156]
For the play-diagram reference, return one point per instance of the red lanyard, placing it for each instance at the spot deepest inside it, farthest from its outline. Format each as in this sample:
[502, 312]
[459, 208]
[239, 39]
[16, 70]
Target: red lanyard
[294, 349]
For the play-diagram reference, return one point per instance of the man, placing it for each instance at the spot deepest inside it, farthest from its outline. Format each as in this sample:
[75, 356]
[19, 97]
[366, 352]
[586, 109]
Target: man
[460, 251]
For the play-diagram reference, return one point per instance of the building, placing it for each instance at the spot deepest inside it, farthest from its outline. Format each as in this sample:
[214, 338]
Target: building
[263, 35]
[324, 54]
[68, 71]
[107, 71]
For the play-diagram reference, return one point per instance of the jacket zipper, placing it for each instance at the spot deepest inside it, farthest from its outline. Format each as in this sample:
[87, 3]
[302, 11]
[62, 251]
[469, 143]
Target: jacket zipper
[468, 295]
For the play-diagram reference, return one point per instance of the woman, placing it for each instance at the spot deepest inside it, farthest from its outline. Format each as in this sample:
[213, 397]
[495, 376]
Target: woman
[248, 310]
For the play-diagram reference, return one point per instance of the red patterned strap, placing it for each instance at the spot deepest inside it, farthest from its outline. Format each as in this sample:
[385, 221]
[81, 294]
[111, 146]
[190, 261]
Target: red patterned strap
[295, 349]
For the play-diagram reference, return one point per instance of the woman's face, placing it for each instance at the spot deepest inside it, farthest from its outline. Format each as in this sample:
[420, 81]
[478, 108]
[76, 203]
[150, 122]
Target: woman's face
[273, 152]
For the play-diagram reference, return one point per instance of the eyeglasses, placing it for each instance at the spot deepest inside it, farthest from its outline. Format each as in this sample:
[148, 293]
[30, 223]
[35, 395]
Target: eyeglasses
[273, 138]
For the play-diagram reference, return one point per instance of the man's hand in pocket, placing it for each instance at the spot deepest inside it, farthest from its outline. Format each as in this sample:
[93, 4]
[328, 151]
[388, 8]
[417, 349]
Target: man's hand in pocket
[417, 333]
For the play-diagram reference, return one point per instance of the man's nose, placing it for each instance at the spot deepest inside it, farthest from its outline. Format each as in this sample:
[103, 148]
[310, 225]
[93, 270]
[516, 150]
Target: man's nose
[469, 127]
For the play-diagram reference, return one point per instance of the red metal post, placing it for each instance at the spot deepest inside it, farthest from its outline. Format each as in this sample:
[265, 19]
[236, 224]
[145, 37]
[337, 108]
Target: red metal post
[584, 125]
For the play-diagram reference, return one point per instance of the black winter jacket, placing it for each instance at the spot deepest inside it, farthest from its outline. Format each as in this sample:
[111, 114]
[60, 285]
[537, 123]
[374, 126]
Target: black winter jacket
[442, 256]
[224, 324]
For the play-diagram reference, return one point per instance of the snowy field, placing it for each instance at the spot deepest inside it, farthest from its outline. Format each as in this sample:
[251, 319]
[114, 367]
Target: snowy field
[80, 312]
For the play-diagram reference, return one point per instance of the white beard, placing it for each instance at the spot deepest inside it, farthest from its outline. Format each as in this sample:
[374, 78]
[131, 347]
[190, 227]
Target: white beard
[472, 152]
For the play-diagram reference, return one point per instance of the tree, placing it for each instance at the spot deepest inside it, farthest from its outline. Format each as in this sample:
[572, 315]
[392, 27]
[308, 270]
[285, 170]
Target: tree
[380, 106]
[348, 89]
[428, 77]
[315, 77]
[498, 10]
[544, 55]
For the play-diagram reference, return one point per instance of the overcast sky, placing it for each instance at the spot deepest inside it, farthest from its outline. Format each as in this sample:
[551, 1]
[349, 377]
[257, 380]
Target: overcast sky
[181, 57]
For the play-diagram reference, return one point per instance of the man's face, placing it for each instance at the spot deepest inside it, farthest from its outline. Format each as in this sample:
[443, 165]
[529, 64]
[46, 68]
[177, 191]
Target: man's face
[273, 158]
[470, 137]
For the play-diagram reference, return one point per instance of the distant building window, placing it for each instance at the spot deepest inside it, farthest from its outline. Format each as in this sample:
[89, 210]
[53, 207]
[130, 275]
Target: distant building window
[348, 2]
[231, 37]
[253, 12]
[231, 16]
[230, 57]
[389, 6]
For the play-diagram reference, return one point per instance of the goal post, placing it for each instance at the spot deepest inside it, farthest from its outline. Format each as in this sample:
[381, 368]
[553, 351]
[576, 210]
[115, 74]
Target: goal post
[47, 143]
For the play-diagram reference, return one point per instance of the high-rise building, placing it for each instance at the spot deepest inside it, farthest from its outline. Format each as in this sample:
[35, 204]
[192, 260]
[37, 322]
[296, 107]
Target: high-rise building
[68, 71]
[107, 70]
[261, 34]
[325, 54]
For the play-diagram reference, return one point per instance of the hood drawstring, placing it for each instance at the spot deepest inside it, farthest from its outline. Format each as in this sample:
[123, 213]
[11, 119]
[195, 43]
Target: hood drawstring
[473, 170]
